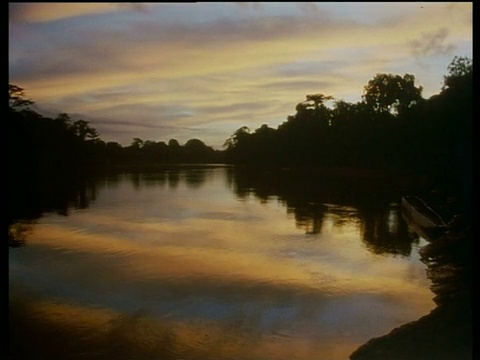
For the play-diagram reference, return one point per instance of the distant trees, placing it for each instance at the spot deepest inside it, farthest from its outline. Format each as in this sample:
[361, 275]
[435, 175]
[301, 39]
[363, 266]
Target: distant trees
[64, 147]
[238, 137]
[16, 98]
[460, 72]
[46, 158]
[392, 93]
[240, 147]
[448, 122]
[42, 146]
[148, 152]
[392, 127]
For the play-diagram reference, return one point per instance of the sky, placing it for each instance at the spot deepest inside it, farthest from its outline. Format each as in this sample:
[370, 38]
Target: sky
[161, 71]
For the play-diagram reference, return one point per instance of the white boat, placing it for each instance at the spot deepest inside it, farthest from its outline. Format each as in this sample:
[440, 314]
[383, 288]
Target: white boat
[422, 218]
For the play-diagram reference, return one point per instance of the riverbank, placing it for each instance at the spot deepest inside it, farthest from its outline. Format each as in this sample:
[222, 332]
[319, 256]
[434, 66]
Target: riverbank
[446, 332]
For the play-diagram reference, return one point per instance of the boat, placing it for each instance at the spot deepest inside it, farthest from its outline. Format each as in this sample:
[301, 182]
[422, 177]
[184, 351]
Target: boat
[421, 218]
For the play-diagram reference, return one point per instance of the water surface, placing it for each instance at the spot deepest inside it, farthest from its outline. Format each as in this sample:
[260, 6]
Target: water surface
[215, 262]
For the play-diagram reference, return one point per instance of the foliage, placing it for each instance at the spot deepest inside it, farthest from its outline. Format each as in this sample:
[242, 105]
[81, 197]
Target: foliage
[460, 73]
[16, 98]
[392, 93]
[392, 127]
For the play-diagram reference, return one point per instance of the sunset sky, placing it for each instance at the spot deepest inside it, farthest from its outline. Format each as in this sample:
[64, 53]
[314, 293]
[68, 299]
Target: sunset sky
[159, 71]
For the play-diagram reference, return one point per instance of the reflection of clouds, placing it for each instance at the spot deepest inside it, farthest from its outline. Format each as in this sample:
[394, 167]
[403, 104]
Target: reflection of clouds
[101, 333]
[316, 201]
[252, 329]
[218, 272]
[109, 266]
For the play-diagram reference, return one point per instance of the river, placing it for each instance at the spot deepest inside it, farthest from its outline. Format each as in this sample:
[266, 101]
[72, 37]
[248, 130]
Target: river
[216, 262]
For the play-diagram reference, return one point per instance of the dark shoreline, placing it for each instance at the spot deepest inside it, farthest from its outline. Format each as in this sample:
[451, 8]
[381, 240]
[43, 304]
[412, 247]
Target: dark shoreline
[446, 333]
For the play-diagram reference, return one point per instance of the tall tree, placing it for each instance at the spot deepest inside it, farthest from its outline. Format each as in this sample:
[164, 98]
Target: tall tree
[392, 93]
[237, 138]
[459, 73]
[17, 99]
[84, 131]
[137, 143]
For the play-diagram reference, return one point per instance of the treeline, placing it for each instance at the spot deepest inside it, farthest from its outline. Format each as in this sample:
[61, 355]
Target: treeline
[49, 159]
[46, 158]
[392, 127]
[42, 145]
[147, 153]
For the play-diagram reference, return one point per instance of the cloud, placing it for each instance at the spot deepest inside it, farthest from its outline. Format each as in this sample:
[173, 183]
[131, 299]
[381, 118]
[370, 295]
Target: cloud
[170, 52]
[218, 64]
[45, 12]
[138, 7]
[432, 43]
[309, 7]
[249, 5]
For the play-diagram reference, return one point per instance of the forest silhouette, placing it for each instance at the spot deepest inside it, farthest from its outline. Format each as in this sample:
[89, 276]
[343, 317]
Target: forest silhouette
[393, 128]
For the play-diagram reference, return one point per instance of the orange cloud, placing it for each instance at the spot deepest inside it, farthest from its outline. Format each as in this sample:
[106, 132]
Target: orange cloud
[45, 12]
[219, 63]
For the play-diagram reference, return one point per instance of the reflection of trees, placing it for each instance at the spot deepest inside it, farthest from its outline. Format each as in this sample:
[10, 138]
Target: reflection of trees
[30, 198]
[135, 178]
[155, 179]
[308, 217]
[309, 197]
[30, 202]
[173, 178]
[85, 193]
[49, 161]
[110, 181]
[193, 176]
[384, 230]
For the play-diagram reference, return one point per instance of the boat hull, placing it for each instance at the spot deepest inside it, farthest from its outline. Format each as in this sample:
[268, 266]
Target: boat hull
[421, 218]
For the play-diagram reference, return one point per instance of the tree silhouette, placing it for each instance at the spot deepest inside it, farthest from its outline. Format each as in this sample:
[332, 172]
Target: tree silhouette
[392, 93]
[16, 98]
[459, 74]
[137, 143]
[238, 137]
[318, 99]
[84, 131]
[392, 128]
[64, 120]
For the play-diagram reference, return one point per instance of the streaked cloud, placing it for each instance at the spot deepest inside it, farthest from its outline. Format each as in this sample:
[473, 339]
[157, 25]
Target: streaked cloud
[111, 60]
[432, 43]
[44, 12]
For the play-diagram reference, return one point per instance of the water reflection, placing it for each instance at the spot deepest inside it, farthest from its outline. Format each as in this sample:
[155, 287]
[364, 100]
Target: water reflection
[309, 216]
[385, 230]
[103, 334]
[368, 203]
[193, 176]
[363, 202]
[29, 200]
[216, 262]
